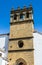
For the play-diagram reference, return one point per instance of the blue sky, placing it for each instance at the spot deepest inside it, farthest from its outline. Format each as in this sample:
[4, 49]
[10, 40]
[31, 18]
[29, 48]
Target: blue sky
[5, 7]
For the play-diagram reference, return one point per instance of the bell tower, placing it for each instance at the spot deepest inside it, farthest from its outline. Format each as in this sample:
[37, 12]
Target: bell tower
[20, 48]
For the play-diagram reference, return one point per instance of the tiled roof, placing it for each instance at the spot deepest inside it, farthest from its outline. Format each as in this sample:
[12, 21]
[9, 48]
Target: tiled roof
[4, 34]
[37, 32]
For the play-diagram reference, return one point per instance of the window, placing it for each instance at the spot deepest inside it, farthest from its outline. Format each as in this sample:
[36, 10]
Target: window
[20, 44]
[21, 16]
[27, 15]
[15, 16]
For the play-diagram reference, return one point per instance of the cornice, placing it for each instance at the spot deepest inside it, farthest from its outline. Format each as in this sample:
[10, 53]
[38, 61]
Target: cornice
[22, 50]
[21, 22]
[20, 38]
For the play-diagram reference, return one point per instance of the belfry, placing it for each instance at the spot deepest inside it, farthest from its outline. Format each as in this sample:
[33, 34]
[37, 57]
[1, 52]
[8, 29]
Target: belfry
[20, 48]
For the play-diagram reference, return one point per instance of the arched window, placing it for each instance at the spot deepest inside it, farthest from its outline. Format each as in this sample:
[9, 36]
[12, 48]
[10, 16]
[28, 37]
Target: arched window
[15, 16]
[27, 15]
[21, 61]
[21, 16]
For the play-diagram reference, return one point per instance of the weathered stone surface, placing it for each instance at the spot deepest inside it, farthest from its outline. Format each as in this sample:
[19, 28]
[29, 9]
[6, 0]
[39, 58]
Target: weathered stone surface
[21, 31]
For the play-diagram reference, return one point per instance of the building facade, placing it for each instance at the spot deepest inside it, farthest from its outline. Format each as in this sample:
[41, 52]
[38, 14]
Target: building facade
[3, 59]
[37, 42]
[20, 48]
[3, 49]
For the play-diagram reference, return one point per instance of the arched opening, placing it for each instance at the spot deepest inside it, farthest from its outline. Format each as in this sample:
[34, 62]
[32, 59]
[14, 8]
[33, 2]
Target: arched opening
[15, 16]
[21, 61]
[21, 16]
[27, 15]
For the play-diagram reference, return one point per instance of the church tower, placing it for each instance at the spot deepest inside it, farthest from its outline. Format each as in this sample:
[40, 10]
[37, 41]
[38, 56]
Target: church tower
[20, 48]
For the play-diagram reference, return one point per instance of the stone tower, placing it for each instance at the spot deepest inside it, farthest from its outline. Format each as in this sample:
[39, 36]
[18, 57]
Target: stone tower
[20, 48]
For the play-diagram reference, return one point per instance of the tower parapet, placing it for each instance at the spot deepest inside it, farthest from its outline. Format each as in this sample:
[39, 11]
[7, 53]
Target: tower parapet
[21, 14]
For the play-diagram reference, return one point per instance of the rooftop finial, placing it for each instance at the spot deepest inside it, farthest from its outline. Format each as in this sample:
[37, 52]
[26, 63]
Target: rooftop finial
[30, 5]
[24, 7]
[12, 10]
[18, 8]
